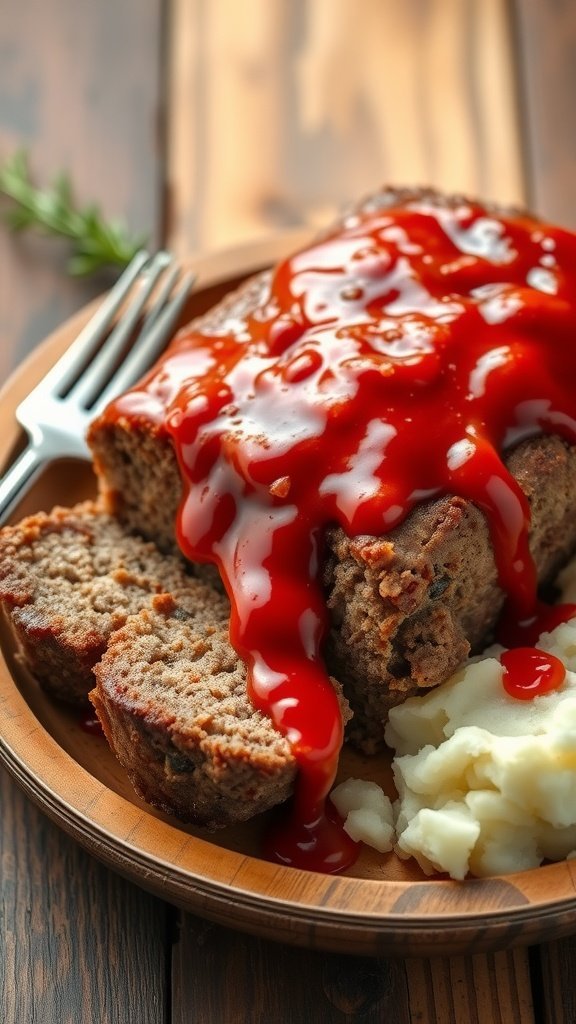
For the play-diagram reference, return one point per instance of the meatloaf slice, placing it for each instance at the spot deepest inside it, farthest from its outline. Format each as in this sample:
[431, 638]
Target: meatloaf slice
[171, 696]
[70, 578]
[135, 464]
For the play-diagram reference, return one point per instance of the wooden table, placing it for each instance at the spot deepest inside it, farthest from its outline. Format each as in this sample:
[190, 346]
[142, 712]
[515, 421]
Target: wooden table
[204, 124]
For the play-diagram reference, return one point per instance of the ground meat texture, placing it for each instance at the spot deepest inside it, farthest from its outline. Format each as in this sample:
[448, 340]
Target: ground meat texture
[171, 696]
[139, 478]
[68, 579]
[407, 609]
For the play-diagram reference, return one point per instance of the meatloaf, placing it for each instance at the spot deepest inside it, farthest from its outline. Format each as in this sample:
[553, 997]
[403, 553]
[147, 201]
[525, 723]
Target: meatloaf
[71, 577]
[405, 608]
[171, 696]
[170, 691]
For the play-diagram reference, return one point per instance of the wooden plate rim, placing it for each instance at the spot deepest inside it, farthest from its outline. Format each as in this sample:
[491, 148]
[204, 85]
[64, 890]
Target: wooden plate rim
[344, 914]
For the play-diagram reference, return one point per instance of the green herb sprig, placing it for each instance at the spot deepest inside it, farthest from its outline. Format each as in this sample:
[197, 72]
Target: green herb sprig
[96, 243]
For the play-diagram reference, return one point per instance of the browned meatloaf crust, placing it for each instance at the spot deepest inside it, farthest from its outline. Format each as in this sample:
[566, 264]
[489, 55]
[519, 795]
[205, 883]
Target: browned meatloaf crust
[70, 578]
[171, 696]
[407, 608]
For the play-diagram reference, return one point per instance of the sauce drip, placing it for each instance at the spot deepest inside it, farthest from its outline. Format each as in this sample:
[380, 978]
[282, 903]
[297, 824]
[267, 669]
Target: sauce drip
[318, 845]
[529, 673]
[90, 723]
[515, 632]
[388, 364]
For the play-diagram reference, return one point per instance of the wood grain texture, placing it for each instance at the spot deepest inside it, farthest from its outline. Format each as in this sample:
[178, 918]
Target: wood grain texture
[281, 113]
[555, 990]
[471, 989]
[80, 88]
[77, 942]
[260, 982]
[546, 44]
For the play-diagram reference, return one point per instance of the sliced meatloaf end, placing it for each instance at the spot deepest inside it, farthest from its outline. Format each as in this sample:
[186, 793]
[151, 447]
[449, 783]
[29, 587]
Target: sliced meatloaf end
[139, 478]
[134, 459]
[171, 696]
[71, 577]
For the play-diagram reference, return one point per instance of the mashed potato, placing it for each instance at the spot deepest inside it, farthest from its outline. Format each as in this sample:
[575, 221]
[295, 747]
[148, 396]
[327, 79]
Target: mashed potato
[367, 812]
[486, 783]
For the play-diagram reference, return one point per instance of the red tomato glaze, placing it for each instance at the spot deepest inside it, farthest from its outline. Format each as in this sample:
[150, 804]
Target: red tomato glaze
[514, 631]
[90, 723]
[388, 364]
[529, 672]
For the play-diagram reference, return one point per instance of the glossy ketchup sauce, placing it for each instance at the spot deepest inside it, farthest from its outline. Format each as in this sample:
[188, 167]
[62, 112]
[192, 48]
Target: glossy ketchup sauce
[388, 364]
[529, 672]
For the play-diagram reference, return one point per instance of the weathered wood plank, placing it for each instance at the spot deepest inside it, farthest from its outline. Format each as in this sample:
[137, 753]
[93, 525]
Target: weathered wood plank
[546, 43]
[260, 981]
[80, 88]
[471, 989]
[556, 993]
[76, 941]
[285, 111]
[222, 976]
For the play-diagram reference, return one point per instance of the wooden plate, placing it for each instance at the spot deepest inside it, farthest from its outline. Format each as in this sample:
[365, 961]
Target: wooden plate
[383, 906]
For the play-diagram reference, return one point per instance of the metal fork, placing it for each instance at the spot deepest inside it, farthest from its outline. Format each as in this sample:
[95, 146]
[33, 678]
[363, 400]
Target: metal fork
[93, 370]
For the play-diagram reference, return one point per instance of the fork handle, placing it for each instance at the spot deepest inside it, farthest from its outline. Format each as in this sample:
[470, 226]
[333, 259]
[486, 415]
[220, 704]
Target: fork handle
[18, 477]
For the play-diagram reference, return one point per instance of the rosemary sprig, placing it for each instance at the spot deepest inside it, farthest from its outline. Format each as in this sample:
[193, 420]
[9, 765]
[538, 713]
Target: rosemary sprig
[95, 242]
